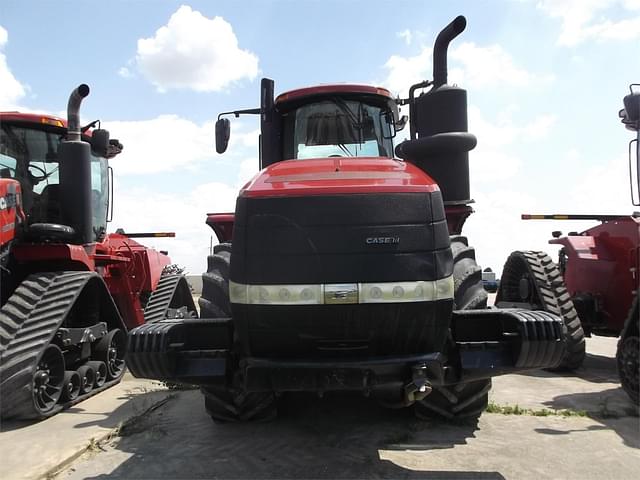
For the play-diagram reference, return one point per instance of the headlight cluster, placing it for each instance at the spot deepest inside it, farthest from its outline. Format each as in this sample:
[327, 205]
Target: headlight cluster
[342, 293]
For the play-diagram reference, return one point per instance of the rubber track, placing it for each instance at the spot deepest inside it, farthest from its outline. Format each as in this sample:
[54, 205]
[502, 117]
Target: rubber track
[554, 298]
[28, 322]
[160, 299]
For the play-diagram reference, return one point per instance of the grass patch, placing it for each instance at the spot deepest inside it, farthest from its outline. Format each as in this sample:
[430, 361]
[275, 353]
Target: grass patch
[543, 412]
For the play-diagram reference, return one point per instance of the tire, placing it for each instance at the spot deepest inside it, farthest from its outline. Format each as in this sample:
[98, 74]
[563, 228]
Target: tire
[228, 403]
[462, 400]
[532, 278]
[214, 302]
[469, 293]
[628, 352]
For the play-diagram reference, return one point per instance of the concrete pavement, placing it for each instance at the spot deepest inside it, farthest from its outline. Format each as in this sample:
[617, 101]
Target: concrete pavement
[31, 450]
[350, 437]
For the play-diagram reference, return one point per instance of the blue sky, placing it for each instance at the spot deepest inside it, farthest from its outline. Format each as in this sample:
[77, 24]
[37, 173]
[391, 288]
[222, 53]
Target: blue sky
[545, 81]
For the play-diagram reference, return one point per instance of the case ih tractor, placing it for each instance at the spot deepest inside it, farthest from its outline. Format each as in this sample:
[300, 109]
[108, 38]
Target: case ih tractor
[69, 291]
[594, 286]
[342, 267]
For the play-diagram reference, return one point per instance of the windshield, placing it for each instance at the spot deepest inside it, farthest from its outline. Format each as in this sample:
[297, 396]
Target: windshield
[337, 128]
[30, 156]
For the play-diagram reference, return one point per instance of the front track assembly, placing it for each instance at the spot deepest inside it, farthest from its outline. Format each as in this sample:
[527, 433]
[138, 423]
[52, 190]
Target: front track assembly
[531, 280]
[60, 342]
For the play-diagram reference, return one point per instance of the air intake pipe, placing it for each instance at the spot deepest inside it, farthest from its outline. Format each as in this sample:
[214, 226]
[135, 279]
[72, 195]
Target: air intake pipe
[74, 156]
[440, 141]
[448, 33]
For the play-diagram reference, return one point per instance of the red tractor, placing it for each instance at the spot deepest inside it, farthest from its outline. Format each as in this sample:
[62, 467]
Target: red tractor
[343, 267]
[594, 286]
[69, 291]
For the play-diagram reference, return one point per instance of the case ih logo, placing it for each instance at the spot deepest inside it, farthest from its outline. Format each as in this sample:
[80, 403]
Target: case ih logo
[382, 240]
[7, 202]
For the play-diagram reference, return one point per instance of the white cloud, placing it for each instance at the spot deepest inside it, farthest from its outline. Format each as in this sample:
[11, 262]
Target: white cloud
[194, 52]
[491, 161]
[505, 131]
[495, 229]
[11, 90]
[162, 144]
[405, 35]
[145, 209]
[406, 71]
[588, 19]
[489, 66]
[611, 182]
[469, 64]
[124, 72]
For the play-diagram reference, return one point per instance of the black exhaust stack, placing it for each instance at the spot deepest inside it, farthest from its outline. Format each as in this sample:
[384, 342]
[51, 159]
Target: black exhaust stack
[75, 173]
[440, 141]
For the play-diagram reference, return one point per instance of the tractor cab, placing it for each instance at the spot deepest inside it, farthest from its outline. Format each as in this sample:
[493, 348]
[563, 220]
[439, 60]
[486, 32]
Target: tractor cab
[30, 153]
[336, 121]
[320, 122]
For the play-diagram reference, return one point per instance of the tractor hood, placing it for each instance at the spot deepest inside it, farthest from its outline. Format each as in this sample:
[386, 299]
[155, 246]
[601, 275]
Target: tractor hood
[331, 176]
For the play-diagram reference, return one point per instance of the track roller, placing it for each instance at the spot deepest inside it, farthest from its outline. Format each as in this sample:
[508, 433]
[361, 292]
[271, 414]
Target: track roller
[87, 379]
[71, 386]
[100, 369]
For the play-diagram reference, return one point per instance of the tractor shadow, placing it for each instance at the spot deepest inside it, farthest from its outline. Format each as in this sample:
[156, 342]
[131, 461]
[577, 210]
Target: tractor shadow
[133, 401]
[336, 437]
[595, 369]
[611, 408]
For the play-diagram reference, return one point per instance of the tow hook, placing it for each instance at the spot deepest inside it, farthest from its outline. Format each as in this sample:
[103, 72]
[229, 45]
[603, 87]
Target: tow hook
[419, 387]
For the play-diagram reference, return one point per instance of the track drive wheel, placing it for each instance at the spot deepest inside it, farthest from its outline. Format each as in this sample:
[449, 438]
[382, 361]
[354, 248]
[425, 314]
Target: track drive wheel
[228, 403]
[628, 353]
[110, 349]
[532, 278]
[48, 380]
[463, 400]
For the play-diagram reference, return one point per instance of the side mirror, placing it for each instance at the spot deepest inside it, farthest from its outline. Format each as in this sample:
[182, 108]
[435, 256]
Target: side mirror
[223, 132]
[389, 120]
[400, 124]
[100, 142]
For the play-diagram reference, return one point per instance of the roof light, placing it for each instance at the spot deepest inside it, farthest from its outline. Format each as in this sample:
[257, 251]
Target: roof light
[51, 121]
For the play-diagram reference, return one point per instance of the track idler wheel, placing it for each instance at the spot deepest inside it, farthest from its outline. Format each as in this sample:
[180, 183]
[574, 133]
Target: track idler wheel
[110, 349]
[48, 380]
[71, 386]
[87, 379]
[100, 369]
